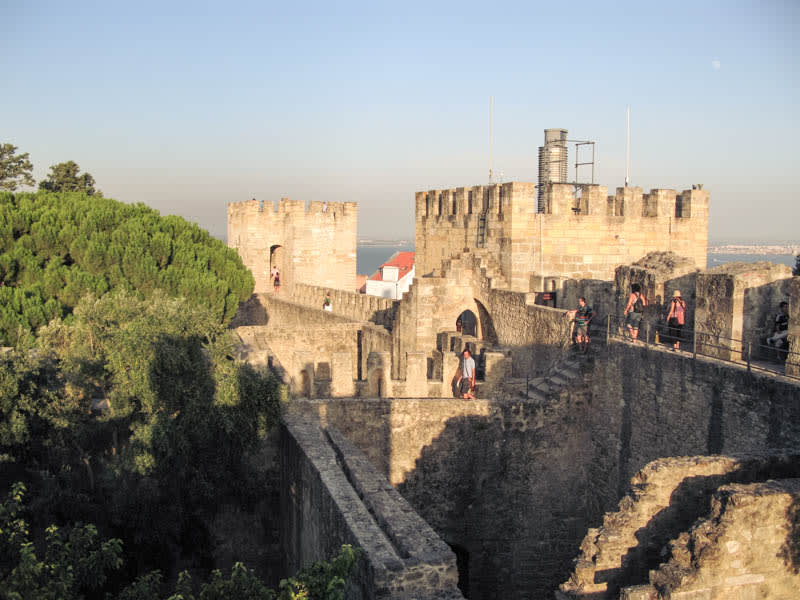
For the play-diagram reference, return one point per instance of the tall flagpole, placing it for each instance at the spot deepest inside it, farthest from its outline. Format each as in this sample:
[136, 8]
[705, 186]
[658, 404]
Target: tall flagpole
[491, 135]
[627, 146]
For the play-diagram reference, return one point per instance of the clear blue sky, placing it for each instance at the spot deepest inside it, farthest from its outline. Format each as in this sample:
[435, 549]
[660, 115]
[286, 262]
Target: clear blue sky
[188, 106]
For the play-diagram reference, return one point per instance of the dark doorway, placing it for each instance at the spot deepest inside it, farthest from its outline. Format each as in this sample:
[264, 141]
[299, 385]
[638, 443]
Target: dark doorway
[462, 564]
[467, 323]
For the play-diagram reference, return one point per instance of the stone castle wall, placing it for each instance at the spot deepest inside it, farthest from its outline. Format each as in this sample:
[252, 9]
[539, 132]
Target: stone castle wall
[503, 482]
[535, 250]
[353, 305]
[735, 305]
[515, 483]
[318, 350]
[507, 320]
[656, 403]
[331, 495]
[308, 245]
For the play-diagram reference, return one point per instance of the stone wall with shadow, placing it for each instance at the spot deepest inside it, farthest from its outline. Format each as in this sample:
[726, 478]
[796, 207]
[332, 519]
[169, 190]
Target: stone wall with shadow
[332, 495]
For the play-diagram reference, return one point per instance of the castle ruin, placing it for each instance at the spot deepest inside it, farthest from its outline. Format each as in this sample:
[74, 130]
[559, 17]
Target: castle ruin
[632, 472]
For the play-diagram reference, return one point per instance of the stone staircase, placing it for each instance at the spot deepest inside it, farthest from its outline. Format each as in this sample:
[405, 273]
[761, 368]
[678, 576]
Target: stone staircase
[565, 372]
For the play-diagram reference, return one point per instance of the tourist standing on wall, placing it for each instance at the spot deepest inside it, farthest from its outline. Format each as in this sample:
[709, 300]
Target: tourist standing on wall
[780, 327]
[582, 316]
[327, 304]
[272, 273]
[634, 310]
[676, 317]
[466, 382]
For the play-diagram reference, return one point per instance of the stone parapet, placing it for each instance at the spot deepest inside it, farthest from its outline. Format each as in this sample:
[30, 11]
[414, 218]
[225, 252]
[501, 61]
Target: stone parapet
[350, 304]
[734, 305]
[331, 495]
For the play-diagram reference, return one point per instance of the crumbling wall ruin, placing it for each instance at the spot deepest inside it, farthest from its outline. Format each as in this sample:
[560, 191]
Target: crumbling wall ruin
[743, 543]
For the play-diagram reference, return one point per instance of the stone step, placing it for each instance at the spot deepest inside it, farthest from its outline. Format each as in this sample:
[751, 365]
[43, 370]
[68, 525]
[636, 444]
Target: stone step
[534, 394]
[568, 373]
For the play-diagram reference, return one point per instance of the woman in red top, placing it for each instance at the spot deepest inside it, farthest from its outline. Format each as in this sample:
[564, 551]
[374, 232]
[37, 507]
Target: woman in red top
[676, 317]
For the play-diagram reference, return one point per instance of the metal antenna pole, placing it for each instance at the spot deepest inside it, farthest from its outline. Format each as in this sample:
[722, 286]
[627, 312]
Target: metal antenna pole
[491, 135]
[627, 146]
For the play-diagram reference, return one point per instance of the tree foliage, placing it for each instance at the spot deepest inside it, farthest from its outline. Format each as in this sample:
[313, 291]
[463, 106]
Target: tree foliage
[66, 177]
[55, 248]
[122, 405]
[132, 414]
[796, 269]
[181, 416]
[76, 563]
[15, 169]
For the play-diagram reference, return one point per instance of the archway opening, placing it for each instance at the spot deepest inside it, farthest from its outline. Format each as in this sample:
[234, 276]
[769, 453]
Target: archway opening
[276, 263]
[487, 334]
[467, 323]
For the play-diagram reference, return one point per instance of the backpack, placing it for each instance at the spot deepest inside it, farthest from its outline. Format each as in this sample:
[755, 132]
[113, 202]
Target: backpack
[638, 306]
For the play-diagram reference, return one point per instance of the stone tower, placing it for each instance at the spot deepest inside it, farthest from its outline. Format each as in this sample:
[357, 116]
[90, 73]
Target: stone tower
[314, 244]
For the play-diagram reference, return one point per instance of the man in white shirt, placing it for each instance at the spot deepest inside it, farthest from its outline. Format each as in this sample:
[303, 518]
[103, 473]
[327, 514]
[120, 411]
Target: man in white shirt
[466, 382]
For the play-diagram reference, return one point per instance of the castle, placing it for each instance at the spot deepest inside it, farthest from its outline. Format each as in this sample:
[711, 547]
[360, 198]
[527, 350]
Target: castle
[562, 478]
[580, 233]
[315, 244]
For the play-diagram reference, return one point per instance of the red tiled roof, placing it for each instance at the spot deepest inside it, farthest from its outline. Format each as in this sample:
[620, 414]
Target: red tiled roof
[404, 261]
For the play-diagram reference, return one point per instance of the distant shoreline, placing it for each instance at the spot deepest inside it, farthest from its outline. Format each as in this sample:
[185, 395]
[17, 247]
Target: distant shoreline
[384, 243]
[754, 249]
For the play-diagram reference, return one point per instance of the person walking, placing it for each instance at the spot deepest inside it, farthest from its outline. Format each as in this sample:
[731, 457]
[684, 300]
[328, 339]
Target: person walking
[634, 310]
[581, 316]
[466, 381]
[676, 318]
[276, 281]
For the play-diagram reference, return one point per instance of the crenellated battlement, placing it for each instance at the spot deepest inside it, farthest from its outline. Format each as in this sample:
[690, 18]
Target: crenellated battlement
[497, 198]
[289, 206]
[581, 232]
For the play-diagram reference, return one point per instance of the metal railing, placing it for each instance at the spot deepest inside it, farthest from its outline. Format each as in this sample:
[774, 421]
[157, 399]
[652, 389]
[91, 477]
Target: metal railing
[755, 355]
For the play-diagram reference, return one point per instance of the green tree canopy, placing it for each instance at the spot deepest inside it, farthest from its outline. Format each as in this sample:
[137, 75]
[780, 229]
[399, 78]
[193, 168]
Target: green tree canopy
[66, 177]
[76, 561]
[57, 247]
[15, 169]
[134, 416]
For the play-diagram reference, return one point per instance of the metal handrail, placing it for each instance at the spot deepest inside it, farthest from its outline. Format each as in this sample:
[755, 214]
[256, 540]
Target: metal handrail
[705, 343]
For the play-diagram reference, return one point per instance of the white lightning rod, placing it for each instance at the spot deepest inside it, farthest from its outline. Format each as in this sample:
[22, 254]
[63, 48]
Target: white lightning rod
[627, 146]
[491, 135]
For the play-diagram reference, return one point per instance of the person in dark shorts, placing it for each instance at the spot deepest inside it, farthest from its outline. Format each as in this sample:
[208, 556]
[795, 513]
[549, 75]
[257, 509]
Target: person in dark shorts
[466, 382]
[276, 281]
[582, 316]
[780, 328]
[634, 310]
[676, 317]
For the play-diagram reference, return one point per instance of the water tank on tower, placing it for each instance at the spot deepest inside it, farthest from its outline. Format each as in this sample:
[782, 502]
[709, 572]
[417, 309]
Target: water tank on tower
[552, 162]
